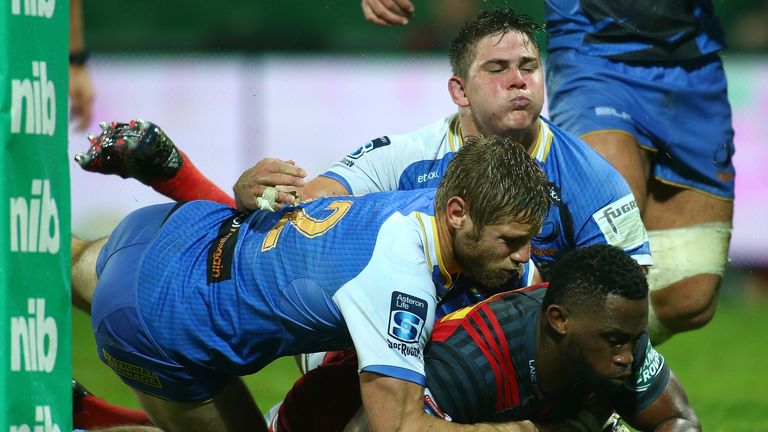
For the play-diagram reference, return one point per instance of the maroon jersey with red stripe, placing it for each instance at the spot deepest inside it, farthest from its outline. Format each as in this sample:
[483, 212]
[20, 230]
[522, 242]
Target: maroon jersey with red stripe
[481, 365]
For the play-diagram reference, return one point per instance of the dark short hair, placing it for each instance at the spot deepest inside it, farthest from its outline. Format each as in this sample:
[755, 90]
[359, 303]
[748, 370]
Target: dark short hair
[586, 276]
[488, 23]
[498, 180]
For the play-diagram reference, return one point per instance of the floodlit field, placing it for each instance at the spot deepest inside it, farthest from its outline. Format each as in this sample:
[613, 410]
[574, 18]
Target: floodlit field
[724, 368]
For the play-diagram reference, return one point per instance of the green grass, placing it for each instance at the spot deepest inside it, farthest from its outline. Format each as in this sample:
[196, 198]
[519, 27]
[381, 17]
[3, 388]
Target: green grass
[268, 386]
[724, 368]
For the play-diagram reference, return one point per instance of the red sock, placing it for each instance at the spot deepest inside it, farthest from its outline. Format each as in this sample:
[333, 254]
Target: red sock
[94, 412]
[190, 184]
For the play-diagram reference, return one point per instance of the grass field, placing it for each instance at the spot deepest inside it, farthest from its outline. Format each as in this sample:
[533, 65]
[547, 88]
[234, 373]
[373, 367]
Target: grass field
[723, 366]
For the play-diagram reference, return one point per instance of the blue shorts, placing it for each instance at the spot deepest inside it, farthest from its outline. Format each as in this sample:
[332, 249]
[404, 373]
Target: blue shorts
[122, 339]
[679, 112]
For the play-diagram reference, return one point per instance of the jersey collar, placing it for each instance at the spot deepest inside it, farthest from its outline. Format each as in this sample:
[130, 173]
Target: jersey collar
[540, 151]
[455, 139]
[440, 275]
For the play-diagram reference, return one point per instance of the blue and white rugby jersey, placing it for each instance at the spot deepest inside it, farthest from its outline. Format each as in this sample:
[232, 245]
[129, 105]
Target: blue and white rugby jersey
[593, 203]
[328, 274]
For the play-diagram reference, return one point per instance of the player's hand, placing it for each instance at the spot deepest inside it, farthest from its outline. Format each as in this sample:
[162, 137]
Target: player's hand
[285, 176]
[388, 12]
[81, 95]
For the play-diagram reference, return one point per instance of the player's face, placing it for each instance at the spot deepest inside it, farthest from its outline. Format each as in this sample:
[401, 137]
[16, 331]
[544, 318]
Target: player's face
[505, 84]
[496, 254]
[603, 340]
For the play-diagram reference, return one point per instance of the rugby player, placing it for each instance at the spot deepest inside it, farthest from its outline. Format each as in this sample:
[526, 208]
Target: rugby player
[643, 84]
[563, 355]
[191, 296]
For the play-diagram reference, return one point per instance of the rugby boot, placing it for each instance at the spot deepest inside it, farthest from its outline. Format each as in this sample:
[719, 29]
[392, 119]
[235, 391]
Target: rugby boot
[137, 149]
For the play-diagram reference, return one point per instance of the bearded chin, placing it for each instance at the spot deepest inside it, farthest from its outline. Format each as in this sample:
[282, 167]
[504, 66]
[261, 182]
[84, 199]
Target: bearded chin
[489, 279]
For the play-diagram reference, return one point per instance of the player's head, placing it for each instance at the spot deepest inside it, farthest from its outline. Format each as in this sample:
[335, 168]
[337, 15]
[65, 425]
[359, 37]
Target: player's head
[495, 198]
[497, 72]
[597, 306]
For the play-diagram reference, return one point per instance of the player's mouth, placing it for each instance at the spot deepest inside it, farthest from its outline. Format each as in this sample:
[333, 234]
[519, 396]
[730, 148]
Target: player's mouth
[520, 102]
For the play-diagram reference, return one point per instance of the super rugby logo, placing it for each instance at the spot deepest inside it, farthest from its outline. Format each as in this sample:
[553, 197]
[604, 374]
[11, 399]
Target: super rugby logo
[407, 315]
[367, 147]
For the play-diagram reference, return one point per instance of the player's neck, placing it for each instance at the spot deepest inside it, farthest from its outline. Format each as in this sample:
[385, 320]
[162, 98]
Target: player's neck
[552, 369]
[446, 245]
[527, 137]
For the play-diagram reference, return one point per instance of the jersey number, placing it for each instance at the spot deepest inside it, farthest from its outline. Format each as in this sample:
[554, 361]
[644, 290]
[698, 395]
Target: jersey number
[307, 225]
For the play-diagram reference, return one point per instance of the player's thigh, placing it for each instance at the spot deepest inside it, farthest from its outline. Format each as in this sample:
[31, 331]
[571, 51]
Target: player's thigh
[84, 278]
[674, 207]
[232, 409]
[623, 151]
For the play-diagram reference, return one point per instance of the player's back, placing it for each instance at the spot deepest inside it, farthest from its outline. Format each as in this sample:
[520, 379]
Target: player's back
[480, 362]
[227, 276]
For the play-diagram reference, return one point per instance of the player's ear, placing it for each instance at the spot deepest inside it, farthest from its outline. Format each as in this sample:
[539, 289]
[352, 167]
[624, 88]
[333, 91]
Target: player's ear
[457, 212]
[557, 317]
[457, 91]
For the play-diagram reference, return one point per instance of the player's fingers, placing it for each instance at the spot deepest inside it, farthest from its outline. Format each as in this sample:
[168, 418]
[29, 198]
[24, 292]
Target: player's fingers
[371, 17]
[288, 168]
[388, 11]
[277, 179]
[86, 112]
[406, 7]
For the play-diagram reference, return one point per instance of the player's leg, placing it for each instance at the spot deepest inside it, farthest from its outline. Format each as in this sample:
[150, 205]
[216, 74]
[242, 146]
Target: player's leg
[84, 279]
[142, 150]
[231, 410]
[689, 233]
[623, 151]
[325, 399]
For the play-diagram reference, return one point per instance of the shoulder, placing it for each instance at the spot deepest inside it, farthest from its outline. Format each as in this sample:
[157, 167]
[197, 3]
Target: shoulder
[573, 163]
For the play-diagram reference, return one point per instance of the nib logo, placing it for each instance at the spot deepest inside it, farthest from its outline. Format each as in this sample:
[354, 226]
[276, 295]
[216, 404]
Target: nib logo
[35, 221]
[39, 97]
[28, 337]
[43, 422]
[37, 8]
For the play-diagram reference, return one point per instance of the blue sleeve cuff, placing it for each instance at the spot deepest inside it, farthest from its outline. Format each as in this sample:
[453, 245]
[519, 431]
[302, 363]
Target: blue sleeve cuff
[338, 178]
[397, 372]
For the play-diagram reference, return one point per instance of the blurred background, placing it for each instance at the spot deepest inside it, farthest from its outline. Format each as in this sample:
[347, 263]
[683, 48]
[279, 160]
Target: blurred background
[233, 82]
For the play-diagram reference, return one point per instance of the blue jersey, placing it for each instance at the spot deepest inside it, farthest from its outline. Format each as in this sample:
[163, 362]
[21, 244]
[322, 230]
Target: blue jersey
[208, 293]
[592, 202]
[670, 30]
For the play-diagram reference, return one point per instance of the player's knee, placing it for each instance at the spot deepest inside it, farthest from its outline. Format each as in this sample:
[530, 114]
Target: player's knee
[687, 304]
[688, 265]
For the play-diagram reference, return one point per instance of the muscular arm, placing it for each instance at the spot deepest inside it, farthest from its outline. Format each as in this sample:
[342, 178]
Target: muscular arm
[669, 412]
[397, 405]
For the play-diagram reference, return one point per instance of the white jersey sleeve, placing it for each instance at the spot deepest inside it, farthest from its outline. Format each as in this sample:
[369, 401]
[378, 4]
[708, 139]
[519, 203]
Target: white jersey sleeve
[389, 307]
[398, 162]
